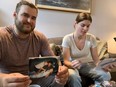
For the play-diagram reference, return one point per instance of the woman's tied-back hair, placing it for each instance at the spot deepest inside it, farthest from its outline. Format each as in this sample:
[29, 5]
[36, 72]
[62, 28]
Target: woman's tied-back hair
[24, 2]
[83, 16]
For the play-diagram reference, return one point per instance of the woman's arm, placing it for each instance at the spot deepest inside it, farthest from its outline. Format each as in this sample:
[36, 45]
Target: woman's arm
[75, 64]
[97, 60]
[94, 54]
[66, 56]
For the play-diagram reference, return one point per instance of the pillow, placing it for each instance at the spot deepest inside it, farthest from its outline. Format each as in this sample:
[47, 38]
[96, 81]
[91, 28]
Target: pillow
[102, 53]
[102, 48]
[52, 46]
[55, 40]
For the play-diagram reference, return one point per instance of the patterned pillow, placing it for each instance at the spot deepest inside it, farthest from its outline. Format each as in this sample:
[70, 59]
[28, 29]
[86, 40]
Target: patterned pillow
[102, 49]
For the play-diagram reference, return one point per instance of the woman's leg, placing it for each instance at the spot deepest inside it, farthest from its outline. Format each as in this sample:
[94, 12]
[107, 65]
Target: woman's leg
[98, 75]
[74, 78]
[103, 76]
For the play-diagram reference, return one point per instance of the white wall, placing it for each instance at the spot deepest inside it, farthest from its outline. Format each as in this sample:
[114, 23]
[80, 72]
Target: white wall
[104, 21]
[58, 23]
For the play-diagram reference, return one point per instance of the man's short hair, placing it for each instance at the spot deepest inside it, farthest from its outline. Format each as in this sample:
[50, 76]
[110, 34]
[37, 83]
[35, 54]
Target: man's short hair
[24, 2]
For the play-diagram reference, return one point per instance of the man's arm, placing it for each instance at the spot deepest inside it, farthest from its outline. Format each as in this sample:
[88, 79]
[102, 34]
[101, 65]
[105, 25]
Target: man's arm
[94, 54]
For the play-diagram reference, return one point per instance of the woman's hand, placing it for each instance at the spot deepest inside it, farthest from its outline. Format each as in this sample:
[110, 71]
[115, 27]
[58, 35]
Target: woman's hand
[109, 67]
[14, 80]
[76, 64]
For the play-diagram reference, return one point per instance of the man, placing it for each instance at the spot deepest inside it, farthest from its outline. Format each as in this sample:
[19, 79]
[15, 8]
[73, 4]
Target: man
[20, 41]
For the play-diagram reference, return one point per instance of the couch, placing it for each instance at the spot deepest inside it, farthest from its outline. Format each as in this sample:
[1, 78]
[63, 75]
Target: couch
[55, 44]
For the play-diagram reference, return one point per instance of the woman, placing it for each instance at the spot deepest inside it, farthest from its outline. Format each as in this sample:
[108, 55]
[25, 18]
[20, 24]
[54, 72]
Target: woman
[79, 46]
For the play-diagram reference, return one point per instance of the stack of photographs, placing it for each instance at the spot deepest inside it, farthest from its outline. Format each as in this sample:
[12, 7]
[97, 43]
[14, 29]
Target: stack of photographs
[43, 66]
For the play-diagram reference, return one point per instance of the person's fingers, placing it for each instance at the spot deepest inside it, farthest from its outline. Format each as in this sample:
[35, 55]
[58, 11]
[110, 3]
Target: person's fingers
[114, 65]
[76, 64]
[107, 69]
[60, 80]
[19, 84]
[16, 78]
[62, 76]
[62, 70]
[65, 75]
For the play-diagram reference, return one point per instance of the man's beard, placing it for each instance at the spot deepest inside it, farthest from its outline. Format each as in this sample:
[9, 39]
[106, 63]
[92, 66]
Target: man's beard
[21, 27]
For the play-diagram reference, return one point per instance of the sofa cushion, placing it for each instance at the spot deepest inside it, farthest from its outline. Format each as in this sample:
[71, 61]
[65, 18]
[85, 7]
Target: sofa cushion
[102, 49]
[101, 46]
[55, 40]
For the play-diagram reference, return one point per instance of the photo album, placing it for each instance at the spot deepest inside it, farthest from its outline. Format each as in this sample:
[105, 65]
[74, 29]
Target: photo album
[105, 62]
[43, 66]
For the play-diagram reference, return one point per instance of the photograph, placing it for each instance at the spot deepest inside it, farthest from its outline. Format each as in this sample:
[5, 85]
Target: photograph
[42, 66]
[65, 5]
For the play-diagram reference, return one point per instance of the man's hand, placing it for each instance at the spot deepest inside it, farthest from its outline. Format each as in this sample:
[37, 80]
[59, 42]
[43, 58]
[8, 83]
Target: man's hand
[14, 80]
[62, 75]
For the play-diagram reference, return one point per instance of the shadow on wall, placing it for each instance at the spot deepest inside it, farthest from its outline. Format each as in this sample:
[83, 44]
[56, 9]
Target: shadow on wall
[4, 19]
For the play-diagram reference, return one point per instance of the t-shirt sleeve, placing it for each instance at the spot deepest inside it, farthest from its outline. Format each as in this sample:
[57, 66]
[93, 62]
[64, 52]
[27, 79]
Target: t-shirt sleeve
[65, 42]
[93, 41]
